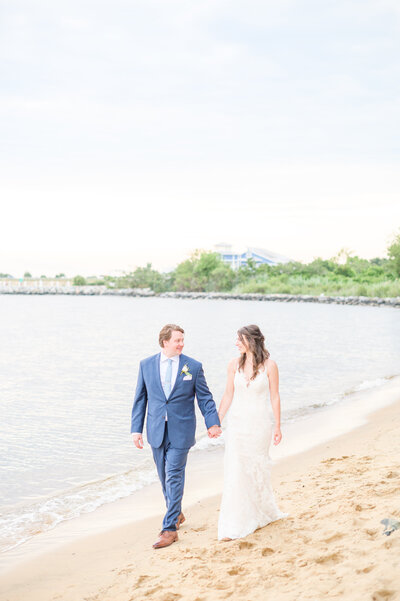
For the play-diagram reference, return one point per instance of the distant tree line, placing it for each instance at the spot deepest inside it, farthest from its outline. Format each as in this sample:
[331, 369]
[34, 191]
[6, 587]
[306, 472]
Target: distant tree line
[343, 274]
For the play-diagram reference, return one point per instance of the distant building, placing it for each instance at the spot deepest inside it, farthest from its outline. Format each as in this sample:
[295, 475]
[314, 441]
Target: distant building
[260, 256]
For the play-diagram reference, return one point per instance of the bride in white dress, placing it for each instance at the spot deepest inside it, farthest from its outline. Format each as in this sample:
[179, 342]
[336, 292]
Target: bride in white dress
[248, 500]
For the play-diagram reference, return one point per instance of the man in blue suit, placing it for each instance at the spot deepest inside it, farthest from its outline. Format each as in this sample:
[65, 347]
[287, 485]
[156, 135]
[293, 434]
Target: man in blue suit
[166, 387]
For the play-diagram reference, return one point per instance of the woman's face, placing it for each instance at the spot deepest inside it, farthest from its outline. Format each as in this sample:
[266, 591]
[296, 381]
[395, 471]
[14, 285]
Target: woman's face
[241, 344]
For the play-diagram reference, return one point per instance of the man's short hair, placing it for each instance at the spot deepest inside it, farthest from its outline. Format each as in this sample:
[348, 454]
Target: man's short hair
[166, 332]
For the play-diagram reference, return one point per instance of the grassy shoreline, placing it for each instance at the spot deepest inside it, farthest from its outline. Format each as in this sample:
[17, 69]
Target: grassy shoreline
[205, 272]
[318, 285]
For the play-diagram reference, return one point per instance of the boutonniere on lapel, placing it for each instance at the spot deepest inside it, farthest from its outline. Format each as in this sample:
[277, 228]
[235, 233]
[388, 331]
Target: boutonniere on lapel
[185, 371]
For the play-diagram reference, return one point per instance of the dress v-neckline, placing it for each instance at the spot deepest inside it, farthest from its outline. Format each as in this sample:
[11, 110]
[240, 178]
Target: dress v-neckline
[249, 381]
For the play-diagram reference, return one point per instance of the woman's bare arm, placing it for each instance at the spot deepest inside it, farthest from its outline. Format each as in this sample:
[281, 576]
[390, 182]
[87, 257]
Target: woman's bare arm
[273, 378]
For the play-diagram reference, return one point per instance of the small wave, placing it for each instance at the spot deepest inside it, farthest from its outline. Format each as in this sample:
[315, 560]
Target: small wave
[300, 412]
[19, 525]
[205, 444]
[368, 384]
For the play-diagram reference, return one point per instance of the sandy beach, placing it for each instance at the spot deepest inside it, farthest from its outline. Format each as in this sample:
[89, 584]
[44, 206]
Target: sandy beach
[330, 547]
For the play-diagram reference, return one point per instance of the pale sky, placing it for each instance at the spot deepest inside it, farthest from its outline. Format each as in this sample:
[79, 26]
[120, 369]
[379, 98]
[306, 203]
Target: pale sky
[136, 131]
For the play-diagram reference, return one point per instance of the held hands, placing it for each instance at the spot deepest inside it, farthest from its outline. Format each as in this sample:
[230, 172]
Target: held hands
[214, 431]
[138, 440]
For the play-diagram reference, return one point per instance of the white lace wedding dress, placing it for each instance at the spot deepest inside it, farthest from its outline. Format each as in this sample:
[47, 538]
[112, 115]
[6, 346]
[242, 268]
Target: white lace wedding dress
[248, 500]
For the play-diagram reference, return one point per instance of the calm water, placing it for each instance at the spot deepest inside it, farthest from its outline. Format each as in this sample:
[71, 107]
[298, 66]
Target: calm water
[68, 373]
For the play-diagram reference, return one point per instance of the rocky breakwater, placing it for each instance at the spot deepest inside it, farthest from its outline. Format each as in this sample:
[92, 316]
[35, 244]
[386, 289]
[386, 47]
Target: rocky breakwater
[73, 290]
[145, 292]
[289, 298]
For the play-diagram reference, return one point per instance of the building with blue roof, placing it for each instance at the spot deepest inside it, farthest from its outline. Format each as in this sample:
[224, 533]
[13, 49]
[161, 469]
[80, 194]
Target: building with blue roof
[260, 256]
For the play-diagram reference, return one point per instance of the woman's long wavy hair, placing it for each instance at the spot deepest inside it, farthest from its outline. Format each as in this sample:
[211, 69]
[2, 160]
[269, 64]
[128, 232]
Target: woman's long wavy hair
[252, 337]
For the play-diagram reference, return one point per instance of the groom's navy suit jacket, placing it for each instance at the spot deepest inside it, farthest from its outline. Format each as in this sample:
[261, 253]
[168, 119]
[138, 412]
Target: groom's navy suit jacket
[179, 406]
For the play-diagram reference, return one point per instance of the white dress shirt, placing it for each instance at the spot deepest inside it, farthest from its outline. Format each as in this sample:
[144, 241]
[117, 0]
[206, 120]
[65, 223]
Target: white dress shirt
[163, 373]
[164, 365]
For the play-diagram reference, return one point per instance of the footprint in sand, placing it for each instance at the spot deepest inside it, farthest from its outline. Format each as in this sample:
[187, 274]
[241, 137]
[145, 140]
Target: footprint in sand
[153, 590]
[387, 491]
[365, 507]
[267, 551]
[221, 586]
[365, 570]
[327, 559]
[125, 571]
[382, 595]
[372, 533]
[307, 514]
[236, 570]
[305, 539]
[245, 545]
[333, 537]
[334, 459]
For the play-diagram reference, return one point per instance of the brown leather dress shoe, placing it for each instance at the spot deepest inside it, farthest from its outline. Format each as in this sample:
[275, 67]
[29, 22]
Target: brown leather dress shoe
[166, 538]
[181, 519]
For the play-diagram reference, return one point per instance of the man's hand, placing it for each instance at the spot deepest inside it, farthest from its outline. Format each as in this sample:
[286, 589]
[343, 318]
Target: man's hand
[214, 431]
[138, 440]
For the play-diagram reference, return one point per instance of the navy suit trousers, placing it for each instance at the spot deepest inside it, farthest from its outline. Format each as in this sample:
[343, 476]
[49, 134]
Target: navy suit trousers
[171, 463]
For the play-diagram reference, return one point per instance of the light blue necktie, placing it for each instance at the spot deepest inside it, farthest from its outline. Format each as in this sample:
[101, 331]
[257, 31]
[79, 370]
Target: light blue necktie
[168, 378]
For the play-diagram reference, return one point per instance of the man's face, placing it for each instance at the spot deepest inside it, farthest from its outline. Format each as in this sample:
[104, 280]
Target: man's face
[174, 346]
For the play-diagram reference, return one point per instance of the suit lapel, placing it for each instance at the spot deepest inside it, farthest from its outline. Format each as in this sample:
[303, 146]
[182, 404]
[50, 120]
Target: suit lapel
[157, 360]
[178, 375]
